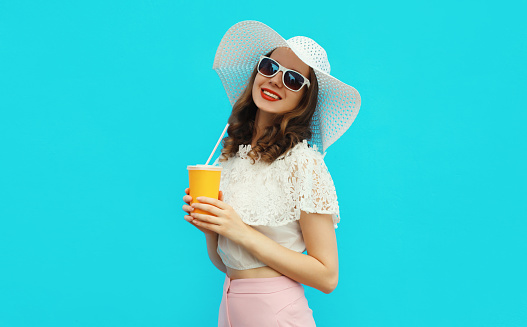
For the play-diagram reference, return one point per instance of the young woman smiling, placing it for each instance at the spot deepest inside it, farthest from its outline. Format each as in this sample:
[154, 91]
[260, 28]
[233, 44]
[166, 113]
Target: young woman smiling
[277, 198]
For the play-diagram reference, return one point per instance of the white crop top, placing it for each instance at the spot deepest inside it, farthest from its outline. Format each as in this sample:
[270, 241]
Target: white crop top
[269, 197]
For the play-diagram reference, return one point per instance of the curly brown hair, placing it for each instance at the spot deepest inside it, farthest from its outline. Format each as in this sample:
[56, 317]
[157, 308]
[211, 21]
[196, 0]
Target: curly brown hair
[284, 133]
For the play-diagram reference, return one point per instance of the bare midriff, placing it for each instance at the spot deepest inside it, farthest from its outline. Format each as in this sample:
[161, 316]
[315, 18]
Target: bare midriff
[261, 272]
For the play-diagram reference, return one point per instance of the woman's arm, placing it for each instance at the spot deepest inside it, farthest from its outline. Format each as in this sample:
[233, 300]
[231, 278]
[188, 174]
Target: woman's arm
[211, 237]
[318, 269]
[212, 247]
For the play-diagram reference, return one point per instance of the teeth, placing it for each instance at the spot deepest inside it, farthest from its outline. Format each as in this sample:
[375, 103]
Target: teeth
[274, 96]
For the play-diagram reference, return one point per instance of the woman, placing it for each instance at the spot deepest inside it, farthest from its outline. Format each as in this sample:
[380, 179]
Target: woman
[277, 198]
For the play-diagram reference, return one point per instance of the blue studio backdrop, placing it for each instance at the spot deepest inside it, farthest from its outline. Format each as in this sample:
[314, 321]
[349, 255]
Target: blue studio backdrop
[103, 104]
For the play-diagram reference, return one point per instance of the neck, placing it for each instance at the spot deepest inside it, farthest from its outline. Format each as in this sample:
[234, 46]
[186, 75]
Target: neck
[261, 121]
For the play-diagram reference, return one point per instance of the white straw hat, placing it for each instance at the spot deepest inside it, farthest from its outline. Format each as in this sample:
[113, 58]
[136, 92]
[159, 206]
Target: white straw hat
[239, 52]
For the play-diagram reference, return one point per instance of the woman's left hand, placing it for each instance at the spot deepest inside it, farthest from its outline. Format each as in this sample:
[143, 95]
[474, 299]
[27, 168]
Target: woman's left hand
[224, 220]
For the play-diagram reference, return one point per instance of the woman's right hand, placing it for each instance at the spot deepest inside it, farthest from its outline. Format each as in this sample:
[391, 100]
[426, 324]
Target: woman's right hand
[188, 209]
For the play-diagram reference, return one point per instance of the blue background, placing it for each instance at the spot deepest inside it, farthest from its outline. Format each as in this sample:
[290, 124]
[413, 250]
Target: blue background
[104, 103]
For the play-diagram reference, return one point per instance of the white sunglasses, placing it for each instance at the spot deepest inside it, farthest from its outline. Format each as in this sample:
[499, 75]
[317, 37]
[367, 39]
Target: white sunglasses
[293, 80]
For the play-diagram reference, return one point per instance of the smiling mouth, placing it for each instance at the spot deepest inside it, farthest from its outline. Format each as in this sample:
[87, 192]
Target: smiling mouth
[269, 95]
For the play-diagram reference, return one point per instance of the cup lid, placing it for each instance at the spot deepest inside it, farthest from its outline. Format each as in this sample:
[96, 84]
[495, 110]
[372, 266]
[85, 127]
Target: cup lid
[204, 167]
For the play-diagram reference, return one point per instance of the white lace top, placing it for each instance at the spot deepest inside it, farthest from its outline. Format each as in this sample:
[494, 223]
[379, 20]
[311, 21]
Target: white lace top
[270, 197]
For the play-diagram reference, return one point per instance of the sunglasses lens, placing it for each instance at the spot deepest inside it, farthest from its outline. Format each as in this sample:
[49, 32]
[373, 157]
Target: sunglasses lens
[267, 67]
[293, 80]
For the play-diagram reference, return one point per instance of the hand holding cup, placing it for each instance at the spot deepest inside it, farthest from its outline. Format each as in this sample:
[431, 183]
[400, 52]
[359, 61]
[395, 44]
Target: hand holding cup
[188, 209]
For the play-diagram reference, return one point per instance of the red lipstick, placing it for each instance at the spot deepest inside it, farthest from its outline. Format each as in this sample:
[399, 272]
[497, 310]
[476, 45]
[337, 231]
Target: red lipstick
[267, 97]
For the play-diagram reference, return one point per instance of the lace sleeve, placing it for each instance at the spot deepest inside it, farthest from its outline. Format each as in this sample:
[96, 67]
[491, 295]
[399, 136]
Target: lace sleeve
[311, 184]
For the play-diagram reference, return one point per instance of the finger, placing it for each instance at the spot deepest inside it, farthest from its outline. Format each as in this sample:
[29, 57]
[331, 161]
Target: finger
[209, 226]
[214, 202]
[187, 198]
[188, 218]
[208, 208]
[205, 218]
[187, 190]
[220, 196]
[187, 208]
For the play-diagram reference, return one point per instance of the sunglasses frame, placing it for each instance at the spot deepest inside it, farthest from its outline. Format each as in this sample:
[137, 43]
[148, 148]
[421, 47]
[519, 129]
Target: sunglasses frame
[283, 70]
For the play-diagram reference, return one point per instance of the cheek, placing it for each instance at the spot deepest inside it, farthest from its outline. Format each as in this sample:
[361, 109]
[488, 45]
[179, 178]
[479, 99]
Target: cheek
[296, 97]
[256, 84]
[258, 79]
[254, 91]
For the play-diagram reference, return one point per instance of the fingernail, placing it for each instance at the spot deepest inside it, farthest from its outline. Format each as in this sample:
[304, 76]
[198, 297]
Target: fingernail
[199, 198]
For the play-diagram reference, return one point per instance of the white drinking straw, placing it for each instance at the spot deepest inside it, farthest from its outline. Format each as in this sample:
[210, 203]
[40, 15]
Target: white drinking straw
[217, 143]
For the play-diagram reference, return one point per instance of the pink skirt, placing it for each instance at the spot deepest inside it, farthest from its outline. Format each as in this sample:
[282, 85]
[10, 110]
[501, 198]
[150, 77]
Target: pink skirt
[253, 302]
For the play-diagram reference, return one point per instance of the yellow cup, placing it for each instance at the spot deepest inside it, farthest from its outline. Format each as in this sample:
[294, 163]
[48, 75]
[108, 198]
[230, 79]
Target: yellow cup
[204, 180]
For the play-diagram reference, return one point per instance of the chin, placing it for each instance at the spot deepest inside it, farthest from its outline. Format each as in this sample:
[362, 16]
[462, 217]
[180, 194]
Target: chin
[269, 109]
[267, 106]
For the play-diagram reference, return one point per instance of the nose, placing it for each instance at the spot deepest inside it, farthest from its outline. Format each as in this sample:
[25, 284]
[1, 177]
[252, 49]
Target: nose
[276, 79]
